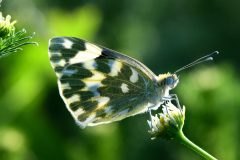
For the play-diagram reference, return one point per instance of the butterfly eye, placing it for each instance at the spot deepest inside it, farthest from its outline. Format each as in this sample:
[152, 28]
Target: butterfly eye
[169, 81]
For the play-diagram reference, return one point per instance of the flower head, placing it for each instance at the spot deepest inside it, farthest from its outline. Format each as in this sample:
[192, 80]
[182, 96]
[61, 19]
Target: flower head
[6, 27]
[168, 123]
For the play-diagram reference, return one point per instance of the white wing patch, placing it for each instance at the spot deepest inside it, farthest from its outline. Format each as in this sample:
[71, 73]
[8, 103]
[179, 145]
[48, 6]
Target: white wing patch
[67, 44]
[93, 48]
[134, 76]
[60, 63]
[90, 65]
[78, 112]
[90, 53]
[69, 72]
[65, 86]
[102, 101]
[74, 98]
[124, 88]
[94, 82]
[115, 68]
[55, 54]
[125, 111]
[92, 86]
[97, 76]
[108, 109]
[88, 121]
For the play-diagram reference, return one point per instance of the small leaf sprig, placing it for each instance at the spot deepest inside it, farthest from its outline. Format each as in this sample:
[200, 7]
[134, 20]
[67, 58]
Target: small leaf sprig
[11, 40]
[169, 124]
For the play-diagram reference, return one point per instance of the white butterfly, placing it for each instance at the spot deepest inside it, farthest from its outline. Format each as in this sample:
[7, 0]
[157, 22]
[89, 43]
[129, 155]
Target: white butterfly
[99, 85]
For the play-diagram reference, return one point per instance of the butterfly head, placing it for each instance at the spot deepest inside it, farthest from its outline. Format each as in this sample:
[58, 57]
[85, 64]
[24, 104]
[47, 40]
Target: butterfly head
[168, 80]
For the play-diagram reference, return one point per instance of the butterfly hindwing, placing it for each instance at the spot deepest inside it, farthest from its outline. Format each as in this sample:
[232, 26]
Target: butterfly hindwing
[99, 85]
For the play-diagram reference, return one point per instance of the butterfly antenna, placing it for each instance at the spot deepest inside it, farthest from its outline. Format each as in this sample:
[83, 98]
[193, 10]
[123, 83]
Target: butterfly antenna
[208, 57]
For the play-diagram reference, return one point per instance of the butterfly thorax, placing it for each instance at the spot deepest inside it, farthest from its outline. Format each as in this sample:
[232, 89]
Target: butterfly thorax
[167, 82]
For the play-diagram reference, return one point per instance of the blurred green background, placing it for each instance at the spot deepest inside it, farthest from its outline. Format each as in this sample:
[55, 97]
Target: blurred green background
[164, 35]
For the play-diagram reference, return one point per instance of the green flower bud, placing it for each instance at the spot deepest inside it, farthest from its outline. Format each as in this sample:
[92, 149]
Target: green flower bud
[6, 27]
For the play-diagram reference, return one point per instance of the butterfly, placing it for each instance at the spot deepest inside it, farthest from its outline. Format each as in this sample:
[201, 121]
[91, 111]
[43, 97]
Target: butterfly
[99, 85]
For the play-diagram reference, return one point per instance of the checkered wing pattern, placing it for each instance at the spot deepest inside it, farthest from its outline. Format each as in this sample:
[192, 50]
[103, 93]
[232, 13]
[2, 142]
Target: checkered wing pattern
[99, 85]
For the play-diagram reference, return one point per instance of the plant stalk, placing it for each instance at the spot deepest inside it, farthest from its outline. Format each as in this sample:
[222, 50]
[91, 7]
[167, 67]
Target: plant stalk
[189, 144]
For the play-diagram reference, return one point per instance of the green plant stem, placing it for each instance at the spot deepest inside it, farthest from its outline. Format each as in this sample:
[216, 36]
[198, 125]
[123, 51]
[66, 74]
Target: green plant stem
[185, 141]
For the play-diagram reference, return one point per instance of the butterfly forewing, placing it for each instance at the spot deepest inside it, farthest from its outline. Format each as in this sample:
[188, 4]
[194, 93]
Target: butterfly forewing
[99, 85]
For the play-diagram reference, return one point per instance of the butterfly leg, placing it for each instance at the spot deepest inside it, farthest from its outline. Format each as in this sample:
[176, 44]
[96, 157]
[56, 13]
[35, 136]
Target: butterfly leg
[175, 97]
[167, 99]
[172, 97]
[150, 115]
[177, 101]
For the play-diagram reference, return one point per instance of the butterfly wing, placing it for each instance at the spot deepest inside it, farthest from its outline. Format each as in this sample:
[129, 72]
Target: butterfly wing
[99, 85]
